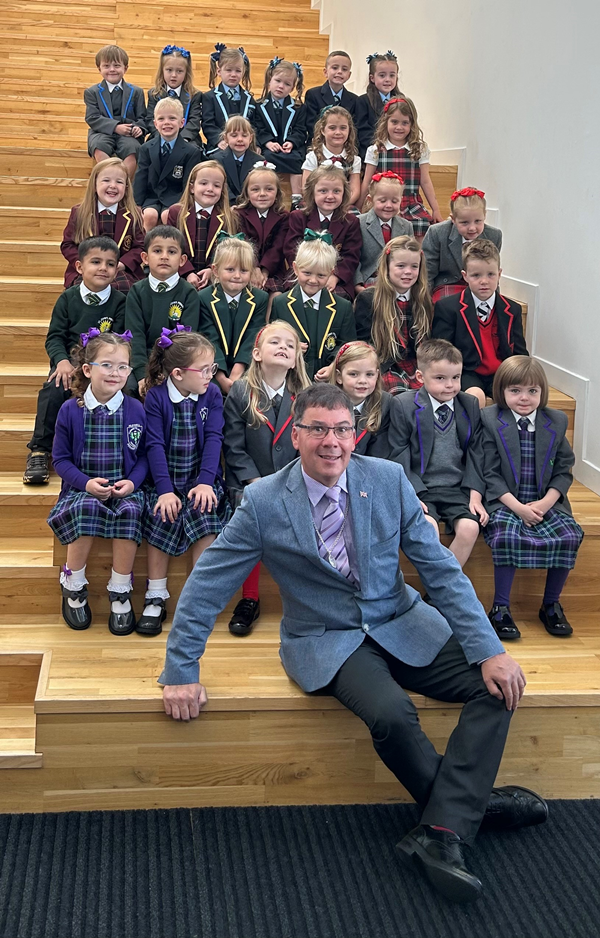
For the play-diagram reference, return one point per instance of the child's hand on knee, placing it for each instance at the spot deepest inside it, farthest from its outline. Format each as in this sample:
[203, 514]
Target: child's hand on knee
[122, 488]
[169, 506]
[203, 496]
[258, 278]
[476, 508]
[274, 147]
[288, 146]
[62, 374]
[204, 278]
[99, 488]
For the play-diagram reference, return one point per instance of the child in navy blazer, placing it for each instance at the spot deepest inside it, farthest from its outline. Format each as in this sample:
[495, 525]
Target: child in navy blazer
[185, 506]
[229, 82]
[99, 453]
[262, 218]
[280, 122]
[175, 79]
[239, 156]
[115, 111]
[258, 432]
[527, 466]
[382, 85]
[337, 71]
[164, 164]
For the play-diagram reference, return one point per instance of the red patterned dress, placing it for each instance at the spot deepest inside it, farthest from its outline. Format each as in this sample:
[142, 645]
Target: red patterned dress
[399, 376]
[398, 160]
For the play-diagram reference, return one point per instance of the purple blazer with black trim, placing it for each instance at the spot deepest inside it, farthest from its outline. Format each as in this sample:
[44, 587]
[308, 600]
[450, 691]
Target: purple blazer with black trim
[159, 416]
[502, 455]
[69, 438]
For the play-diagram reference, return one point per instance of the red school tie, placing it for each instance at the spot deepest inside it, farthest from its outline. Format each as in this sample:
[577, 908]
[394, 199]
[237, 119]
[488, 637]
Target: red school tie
[386, 231]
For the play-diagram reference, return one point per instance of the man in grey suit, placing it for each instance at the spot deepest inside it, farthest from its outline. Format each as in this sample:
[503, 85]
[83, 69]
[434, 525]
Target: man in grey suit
[329, 527]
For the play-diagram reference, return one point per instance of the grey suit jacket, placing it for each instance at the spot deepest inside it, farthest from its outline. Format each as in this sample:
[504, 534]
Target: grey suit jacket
[98, 113]
[373, 243]
[325, 617]
[442, 247]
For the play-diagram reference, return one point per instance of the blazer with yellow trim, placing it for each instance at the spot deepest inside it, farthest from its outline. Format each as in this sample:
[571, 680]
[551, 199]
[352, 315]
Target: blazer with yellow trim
[129, 238]
[325, 334]
[216, 224]
[232, 334]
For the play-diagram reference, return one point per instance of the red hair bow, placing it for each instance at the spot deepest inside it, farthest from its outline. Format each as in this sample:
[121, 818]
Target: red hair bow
[466, 193]
[388, 174]
[389, 103]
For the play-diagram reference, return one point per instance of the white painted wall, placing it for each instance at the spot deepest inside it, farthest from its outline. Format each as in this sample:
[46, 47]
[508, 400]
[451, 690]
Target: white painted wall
[516, 85]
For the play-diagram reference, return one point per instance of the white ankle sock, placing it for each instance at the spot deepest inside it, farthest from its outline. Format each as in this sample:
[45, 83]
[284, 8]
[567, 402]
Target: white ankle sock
[119, 583]
[156, 589]
[74, 580]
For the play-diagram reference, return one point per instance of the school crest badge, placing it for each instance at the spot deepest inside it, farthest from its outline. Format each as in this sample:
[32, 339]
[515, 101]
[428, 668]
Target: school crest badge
[175, 311]
[178, 172]
[134, 435]
[203, 414]
[330, 341]
[127, 242]
[105, 324]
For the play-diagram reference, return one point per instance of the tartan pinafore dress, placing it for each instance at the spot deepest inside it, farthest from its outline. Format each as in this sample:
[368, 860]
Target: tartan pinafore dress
[412, 208]
[184, 460]
[399, 376]
[78, 514]
[553, 542]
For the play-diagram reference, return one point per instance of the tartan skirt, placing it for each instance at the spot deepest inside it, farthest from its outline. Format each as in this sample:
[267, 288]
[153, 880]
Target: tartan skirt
[78, 514]
[553, 542]
[175, 538]
[411, 207]
[447, 289]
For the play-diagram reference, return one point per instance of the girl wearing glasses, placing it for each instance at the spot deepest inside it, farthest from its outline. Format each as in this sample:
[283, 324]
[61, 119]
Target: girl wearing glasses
[185, 506]
[99, 453]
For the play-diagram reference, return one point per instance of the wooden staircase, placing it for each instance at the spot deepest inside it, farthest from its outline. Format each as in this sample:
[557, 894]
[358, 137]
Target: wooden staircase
[87, 705]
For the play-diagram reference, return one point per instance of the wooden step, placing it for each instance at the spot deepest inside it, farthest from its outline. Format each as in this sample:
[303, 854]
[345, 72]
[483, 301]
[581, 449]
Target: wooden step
[24, 509]
[31, 223]
[29, 298]
[31, 258]
[19, 677]
[23, 342]
[19, 392]
[22, 161]
[41, 191]
[15, 433]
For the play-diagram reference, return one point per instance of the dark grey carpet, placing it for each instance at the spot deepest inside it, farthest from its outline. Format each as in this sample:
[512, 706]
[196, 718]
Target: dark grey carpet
[296, 872]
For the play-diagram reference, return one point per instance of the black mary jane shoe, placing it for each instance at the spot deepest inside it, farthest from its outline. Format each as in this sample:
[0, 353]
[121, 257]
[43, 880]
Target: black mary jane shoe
[439, 854]
[121, 623]
[504, 624]
[152, 625]
[555, 621]
[79, 618]
[244, 616]
[512, 807]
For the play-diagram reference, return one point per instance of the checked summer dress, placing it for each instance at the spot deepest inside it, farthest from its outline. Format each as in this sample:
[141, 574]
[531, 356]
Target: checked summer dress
[412, 208]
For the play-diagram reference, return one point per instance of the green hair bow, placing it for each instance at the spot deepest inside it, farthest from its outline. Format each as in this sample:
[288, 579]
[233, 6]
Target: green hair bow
[238, 237]
[310, 235]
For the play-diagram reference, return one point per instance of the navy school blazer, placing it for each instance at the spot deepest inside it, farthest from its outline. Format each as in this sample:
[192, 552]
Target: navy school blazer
[268, 236]
[321, 96]
[192, 115]
[502, 455]
[346, 236]
[227, 160]
[216, 224]
[232, 336]
[292, 127]
[98, 110]
[253, 452]
[209, 427]
[153, 183]
[69, 437]
[455, 319]
[216, 111]
[416, 432]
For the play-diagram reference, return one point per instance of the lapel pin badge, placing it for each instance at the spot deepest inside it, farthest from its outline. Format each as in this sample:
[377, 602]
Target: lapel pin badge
[363, 494]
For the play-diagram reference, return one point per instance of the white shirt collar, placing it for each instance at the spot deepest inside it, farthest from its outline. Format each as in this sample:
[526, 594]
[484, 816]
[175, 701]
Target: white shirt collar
[271, 392]
[530, 417]
[489, 302]
[437, 404]
[316, 490]
[359, 407]
[103, 295]
[91, 403]
[394, 146]
[404, 296]
[230, 298]
[170, 282]
[111, 88]
[316, 298]
[328, 154]
[200, 208]
[108, 208]
[382, 221]
[323, 217]
[262, 214]
[175, 396]
[176, 90]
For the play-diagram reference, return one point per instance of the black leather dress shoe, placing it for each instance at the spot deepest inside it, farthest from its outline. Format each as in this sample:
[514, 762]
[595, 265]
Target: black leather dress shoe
[244, 616]
[512, 807]
[121, 623]
[503, 622]
[152, 625]
[81, 617]
[439, 854]
[555, 621]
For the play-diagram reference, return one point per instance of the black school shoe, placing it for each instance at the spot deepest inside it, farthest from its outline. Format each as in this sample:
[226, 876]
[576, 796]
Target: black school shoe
[37, 469]
[152, 625]
[439, 854]
[505, 626]
[81, 617]
[512, 807]
[244, 616]
[555, 621]
[121, 623]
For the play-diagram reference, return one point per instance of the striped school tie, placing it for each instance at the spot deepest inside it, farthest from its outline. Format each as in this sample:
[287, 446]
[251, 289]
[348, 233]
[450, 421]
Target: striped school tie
[332, 546]
[172, 94]
[162, 287]
[93, 299]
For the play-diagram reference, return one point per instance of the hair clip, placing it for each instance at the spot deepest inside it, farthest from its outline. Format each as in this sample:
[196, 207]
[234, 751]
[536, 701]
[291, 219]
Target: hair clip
[225, 236]
[219, 46]
[310, 235]
[392, 55]
[126, 336]
[275, 62]
[86, 337]
[374, 55]
[169, 50]
[298, 68]
[331, 162]
[258, 335]
[243, 54]
[165, 337]
[389, 103]
[263, 164]
[348, 345]
[388, 174]
[466, 193]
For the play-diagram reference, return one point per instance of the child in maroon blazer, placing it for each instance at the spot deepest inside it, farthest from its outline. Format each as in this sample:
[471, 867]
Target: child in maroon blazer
[108, 208]
[262, 218]
[327, 199]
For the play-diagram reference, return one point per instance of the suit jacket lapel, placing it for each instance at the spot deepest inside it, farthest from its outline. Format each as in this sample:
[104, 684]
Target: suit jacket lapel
[244, 316]
[463, 424]
[285, 409]
[291, 113]
[189, 221]
[104, 95]
[297, 312]
[466, 308]
[360, 493]
[185, 99]
[221, 315]
[455, 245]
[268, 113]
[127, 94]
[245, 102]
[122, 224]
[298, 508]
[327, 314]
[155, 146]
[424, 421]
[509, 434]
[221, 99]
[216, 223]
[268, 224]
[172, 158]
[374, 228]
[545, 437]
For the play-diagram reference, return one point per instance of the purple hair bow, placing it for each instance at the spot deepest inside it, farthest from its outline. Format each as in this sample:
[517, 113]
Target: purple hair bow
[126, 336]
[165, 337]
[86, 337]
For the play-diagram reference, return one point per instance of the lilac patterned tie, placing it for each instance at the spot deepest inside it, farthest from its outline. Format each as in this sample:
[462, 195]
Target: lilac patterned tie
[332, 546]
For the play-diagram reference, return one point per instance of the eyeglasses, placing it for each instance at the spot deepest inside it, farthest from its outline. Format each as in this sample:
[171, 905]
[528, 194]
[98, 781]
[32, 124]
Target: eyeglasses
[207, 372]
[319, 432]
[108, 368]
